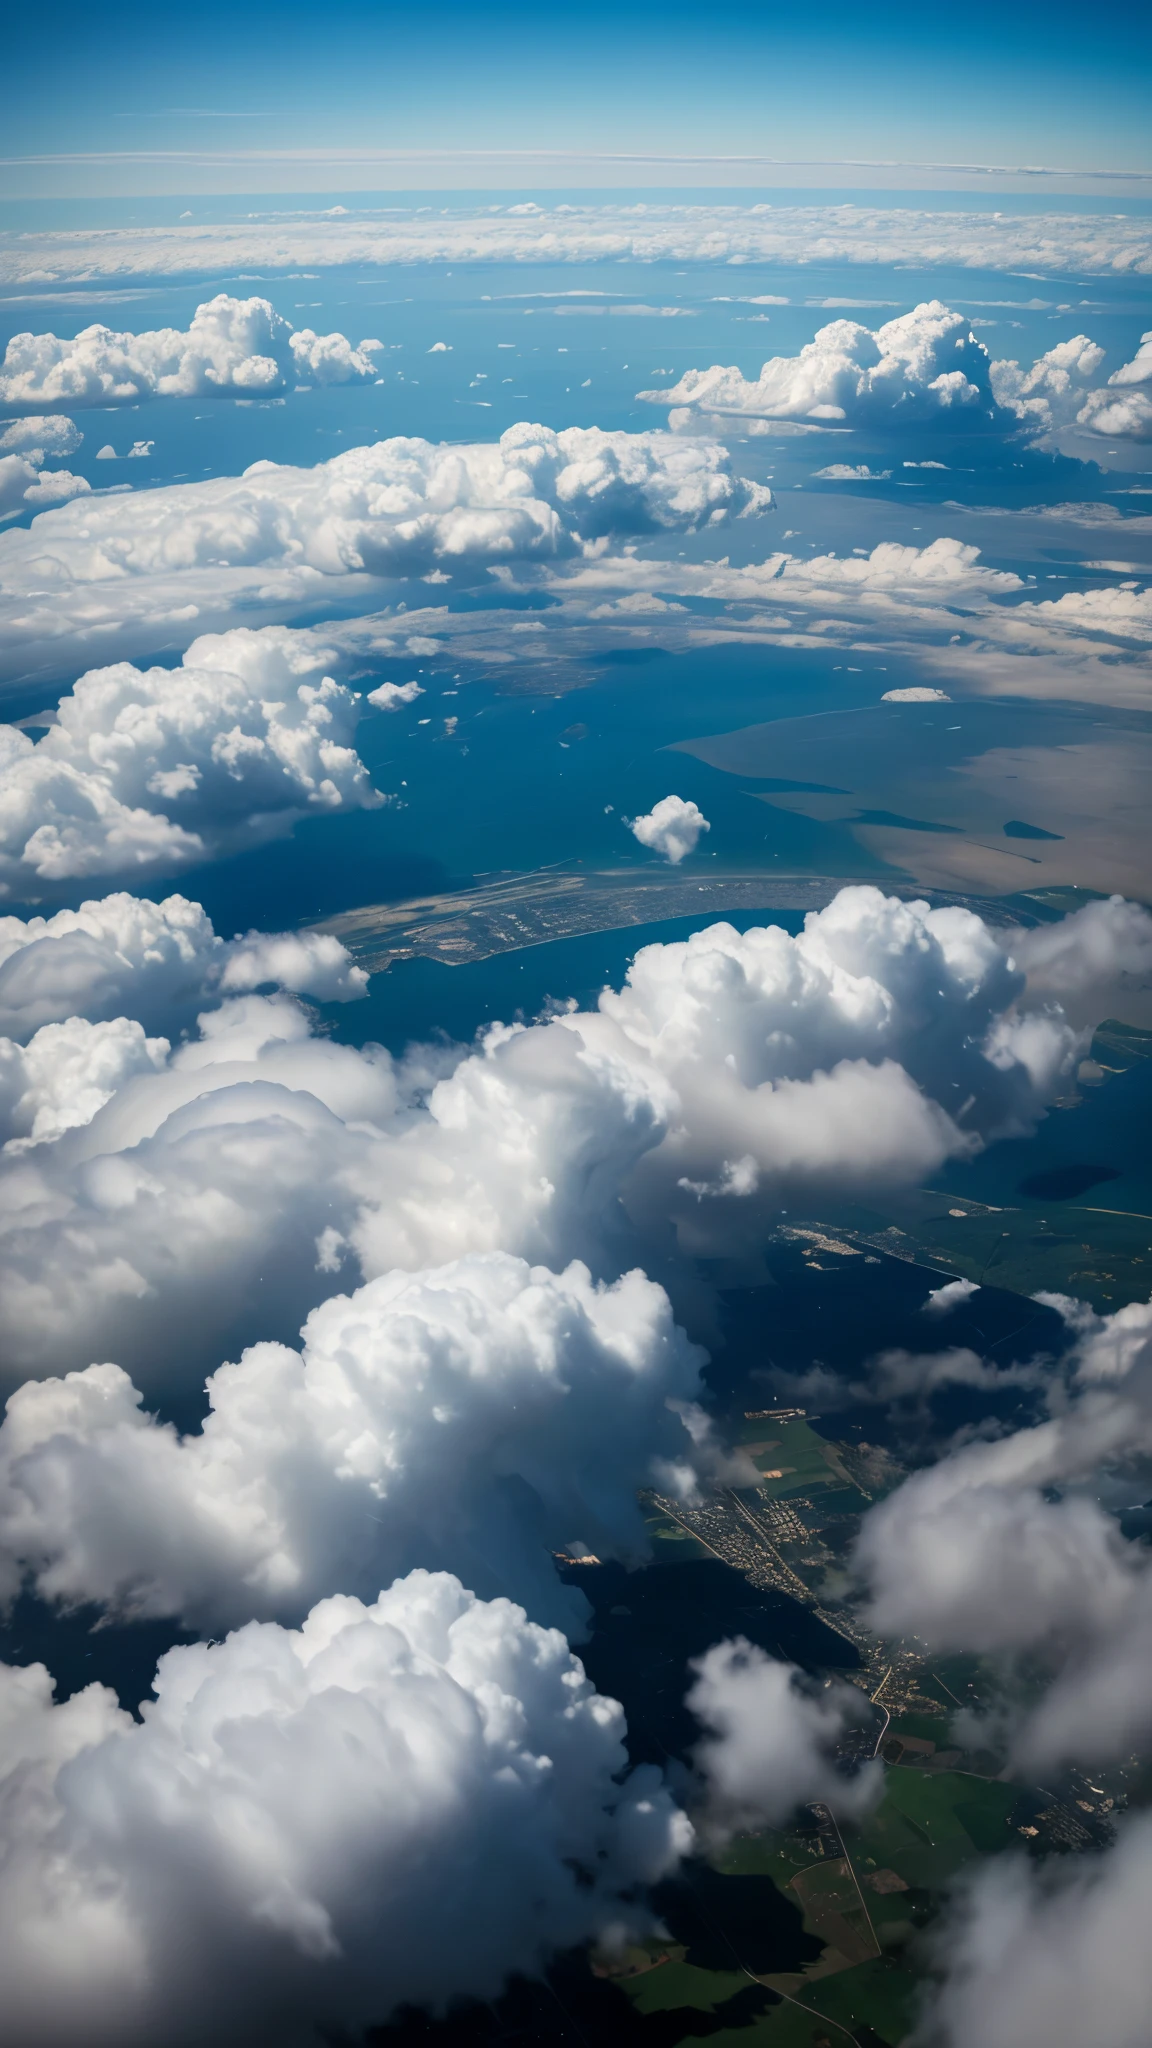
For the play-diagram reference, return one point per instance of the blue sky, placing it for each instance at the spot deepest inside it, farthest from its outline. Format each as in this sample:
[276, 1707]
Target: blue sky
[252, 98]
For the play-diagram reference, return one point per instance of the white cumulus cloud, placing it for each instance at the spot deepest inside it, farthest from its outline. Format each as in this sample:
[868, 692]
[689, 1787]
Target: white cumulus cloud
[53, 434]
[473, 1417]
[402, 1801]
[232, 346]
[1020, 1513]
[68, 1071]
[280, 538]
[731, 1073]
[1051, 393]
[390, 696]
[162, 961]
[849, 473]
[160, 768]
[672, 827]
[923, 365]
[942, 1301]
[25, 484]
[1093, 962]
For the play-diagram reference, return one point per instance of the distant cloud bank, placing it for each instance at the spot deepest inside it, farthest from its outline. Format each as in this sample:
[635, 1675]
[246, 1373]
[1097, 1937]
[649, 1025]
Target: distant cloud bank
[1059, 244]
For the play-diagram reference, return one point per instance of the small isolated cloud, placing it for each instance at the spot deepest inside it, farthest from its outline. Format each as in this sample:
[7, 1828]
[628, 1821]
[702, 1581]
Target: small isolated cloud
[849, 473]
[917, 693]
[771, 1745]
[440, 348]
[233, 347]
[390, 696]
[672, 827]
[639, 604]
[954, 1293]
[402, 1801]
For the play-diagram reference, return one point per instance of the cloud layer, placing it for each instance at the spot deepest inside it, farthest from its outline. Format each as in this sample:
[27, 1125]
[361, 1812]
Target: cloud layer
[1059, 244]
[233, 346]
[428, 1769]
[277, 538]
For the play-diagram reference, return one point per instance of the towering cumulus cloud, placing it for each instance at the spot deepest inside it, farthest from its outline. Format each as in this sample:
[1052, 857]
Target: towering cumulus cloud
[233, 347]
[400, 1801]
[128, 569]
[731, 1073]
[925, 365]
[160, 768]
[475, 1416]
